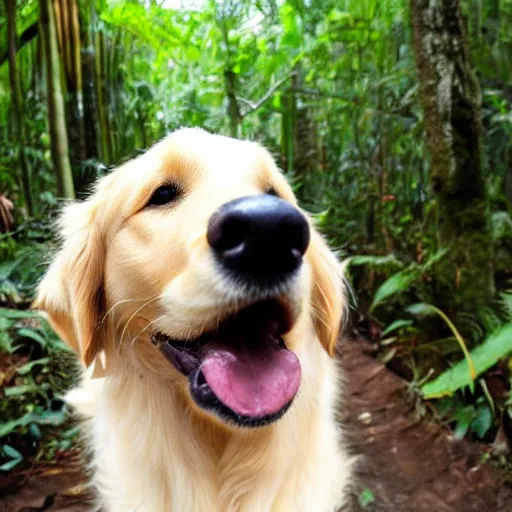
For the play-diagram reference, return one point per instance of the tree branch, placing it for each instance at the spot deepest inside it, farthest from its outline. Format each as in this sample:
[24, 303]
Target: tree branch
[28, 34]
[321, 94]
[265, 97]
[354, 101]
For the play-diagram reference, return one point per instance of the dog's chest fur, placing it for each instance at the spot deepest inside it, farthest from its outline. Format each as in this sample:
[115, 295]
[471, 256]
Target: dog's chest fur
[152, 455]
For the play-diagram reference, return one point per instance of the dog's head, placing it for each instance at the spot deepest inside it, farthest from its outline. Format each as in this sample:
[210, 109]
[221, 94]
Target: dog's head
[194, 263]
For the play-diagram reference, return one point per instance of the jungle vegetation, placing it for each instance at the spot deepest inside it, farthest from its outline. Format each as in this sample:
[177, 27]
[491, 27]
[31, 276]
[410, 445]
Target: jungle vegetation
[392, 120]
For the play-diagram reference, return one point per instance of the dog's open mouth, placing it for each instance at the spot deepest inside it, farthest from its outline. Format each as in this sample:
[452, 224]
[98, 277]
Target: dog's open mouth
[243, 370]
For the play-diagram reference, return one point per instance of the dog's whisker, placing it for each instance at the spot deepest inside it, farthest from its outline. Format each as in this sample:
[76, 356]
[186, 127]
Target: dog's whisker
[118, 303]
[133, 316]
[150, 323]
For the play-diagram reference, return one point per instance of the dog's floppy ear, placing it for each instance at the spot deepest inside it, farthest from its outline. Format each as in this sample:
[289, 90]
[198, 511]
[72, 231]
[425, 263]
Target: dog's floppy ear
[71, 291]
[328, 299]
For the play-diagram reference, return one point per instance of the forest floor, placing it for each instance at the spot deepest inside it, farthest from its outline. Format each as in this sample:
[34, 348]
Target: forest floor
[407, 464]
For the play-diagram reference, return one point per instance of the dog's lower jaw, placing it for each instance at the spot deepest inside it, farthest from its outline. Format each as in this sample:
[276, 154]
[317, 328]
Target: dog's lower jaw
[151, 455]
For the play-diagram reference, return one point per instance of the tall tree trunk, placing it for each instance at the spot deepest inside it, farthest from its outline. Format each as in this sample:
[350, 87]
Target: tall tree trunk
[68, 31]
[508, 176]
[450, 96]
[288, 116]
[56, 114]
[305, 133]
[233, 109]
[230, 78]
[17, 104]
[88, 56]
[74, 79]
[101, 95]
[288, 127]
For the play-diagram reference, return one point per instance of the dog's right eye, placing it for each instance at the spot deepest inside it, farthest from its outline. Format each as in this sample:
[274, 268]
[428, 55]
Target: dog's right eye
[164, 195]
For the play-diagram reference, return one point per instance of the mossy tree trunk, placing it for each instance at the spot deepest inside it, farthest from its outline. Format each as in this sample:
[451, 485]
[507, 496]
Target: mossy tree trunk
[230, 76]
[233, 108]
[18, 118]
[288, 118]
[56, 113]
[306, 141]
[451, 99]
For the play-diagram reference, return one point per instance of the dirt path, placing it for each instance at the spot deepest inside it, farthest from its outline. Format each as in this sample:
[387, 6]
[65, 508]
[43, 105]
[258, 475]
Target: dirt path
[411, 466]
[407, 465]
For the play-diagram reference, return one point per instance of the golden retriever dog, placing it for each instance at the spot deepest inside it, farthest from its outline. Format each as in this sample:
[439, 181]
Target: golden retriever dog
[205, 309]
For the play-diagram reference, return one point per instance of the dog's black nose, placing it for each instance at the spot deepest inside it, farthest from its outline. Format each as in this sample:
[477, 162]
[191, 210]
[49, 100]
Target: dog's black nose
[260, 236]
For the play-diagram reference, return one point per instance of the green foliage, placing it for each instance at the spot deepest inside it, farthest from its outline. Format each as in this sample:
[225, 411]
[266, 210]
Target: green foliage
[397, 283]
[396, 325]
[423, 309]
[33, 368]
[14, 455]
[495, 347]
[388, 263]
[474, 417]
[33, 376]
[28, 16]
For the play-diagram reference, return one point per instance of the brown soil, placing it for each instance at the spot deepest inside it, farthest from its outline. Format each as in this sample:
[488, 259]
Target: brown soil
[409, 464]
[406, 464]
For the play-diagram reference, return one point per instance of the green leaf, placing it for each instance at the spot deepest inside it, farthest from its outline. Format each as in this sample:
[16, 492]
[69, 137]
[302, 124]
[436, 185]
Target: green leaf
[11, 452]
[397, 283]
[8, 427]
[30, 333]
[16, 314]
[495, 347]
[23, 370]
[428, 309]
[390, 261]
[397, 324]
[15, 455]
[7, 466]
[54, 418]
[422, 309]
[34, 430]
[337, 15]
[292, 30]
[7, 267]
[483, 421]
[20, 390]
[464, 417]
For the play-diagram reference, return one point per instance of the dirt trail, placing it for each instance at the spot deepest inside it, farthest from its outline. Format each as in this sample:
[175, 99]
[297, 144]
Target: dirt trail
[411, 465]
[408, 465]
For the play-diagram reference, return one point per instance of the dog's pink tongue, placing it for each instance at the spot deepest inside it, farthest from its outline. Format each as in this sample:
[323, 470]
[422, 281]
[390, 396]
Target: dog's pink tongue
[252, 383]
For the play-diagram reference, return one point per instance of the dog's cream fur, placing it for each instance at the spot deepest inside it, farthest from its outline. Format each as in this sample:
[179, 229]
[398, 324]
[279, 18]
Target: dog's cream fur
[124, 270]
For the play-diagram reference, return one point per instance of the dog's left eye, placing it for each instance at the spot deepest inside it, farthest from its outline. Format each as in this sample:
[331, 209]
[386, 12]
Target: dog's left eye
[164, 195]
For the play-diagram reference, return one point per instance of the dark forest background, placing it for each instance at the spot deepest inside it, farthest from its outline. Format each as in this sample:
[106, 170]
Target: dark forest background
[391, 118]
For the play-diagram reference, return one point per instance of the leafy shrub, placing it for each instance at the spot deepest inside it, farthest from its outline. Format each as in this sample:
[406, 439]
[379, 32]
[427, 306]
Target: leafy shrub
[35, 366]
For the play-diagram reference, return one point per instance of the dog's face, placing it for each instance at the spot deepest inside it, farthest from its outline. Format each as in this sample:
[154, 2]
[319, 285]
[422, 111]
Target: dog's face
[195, 261]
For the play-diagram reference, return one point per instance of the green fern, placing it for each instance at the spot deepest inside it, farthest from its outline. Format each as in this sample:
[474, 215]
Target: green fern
[495, 347]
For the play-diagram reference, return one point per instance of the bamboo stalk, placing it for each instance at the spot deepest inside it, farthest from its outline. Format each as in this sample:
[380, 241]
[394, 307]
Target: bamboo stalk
[17, 105]
[56, 114]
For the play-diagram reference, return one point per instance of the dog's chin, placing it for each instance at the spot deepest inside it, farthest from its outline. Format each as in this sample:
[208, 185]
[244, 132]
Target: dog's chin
[242, 372]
